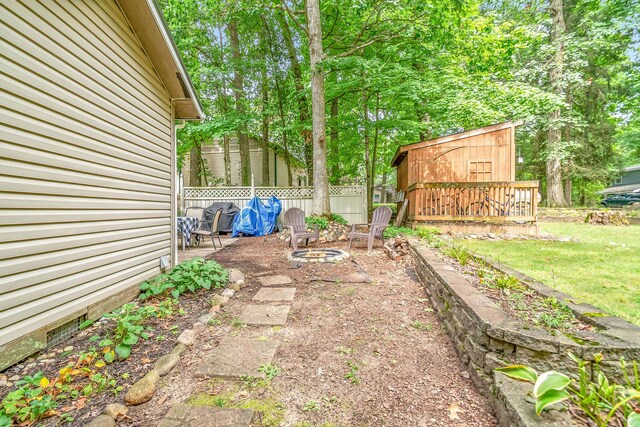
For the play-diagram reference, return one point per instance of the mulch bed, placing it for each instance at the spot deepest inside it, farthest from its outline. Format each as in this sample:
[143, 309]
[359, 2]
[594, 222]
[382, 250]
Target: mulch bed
[143, 355]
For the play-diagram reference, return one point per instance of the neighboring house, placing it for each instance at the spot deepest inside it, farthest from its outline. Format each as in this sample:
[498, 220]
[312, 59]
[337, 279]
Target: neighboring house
[390, 194]
[90, 94]
[627, 182]
[213, 154]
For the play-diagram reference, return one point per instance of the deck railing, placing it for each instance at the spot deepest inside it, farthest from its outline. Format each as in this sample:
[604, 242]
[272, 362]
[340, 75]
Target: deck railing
[515, 201]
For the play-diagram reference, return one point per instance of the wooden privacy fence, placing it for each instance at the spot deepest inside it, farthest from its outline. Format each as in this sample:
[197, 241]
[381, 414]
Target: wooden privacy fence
[347, 201]
[515, 201]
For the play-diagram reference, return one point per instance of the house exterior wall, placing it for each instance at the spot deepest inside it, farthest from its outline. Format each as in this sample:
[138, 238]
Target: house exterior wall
[213, 154]
[85, 171]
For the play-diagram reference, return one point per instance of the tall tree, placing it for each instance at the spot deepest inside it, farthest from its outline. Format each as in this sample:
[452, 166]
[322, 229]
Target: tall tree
[555, 194]
[238, 90]
[321, 204]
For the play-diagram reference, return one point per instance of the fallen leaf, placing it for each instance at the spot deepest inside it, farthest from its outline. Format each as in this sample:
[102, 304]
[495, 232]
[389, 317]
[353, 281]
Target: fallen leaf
[453, 411]
[146, 360]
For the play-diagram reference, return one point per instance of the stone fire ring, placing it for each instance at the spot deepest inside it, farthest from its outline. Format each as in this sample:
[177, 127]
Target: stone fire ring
[318, 255]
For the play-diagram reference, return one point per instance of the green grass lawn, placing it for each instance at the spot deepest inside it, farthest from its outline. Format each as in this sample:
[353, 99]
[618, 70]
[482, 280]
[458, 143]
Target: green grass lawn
[602, 269]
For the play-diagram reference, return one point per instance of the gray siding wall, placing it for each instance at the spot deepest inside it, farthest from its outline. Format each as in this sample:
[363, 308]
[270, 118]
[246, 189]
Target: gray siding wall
[85, 161]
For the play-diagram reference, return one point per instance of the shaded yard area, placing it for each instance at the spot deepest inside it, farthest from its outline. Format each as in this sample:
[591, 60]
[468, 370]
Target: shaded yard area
[599, 266]
[361, 347]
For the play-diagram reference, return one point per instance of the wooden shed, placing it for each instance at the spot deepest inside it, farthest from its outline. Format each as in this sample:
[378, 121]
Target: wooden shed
[90, 94]
[465, 176]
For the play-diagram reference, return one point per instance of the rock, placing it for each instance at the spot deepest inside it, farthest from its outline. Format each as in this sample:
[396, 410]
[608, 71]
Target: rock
[235, 275]
[101, 421]
[228, 292]
[342, 237]
[14, 378]
[31, 365]
[9, 384]
[205, 317]
[68, 349]
[240, 283]
[143, 390]
[198, 328]
[235, 287]
[3, 383]
[465, 375]
[187, 337]
[166, 363]
[59, 351]
[178, 349]
[323, 239]
[3, 377]
[115, 410]
[213, 311]
[217, 300]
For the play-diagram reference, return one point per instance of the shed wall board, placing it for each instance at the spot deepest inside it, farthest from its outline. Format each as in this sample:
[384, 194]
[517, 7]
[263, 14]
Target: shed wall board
[86, 154]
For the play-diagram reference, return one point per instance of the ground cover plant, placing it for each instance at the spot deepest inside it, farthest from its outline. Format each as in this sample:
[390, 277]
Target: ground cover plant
[323, 223]
[599, 267]
[603, 402]
[514, 297]
[113, 351]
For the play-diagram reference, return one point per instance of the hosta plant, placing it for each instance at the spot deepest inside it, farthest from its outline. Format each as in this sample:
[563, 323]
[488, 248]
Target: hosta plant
[600, 400]
[188, 276]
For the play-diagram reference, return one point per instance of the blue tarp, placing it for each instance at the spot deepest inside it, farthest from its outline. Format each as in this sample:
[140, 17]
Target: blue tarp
[256, 219]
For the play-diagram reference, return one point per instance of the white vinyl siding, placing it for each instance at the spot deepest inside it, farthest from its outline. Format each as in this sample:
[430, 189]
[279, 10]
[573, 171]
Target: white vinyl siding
[85, 161]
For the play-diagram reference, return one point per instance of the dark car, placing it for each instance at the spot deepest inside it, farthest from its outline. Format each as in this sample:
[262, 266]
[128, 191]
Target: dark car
[621, 199]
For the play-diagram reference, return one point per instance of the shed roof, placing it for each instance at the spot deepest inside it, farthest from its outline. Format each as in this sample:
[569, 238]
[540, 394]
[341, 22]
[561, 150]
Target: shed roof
[402, 151]
[147, 21]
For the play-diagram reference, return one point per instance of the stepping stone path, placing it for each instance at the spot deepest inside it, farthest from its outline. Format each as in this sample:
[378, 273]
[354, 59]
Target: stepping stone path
[235, 358]
[275, 294]
[268, 315]
[238, 357]
[201, 416]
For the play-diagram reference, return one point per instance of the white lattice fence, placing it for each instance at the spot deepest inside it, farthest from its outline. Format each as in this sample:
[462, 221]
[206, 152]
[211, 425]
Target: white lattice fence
[348, 201]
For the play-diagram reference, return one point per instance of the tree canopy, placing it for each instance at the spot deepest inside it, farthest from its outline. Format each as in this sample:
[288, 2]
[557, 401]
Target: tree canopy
[402, 71]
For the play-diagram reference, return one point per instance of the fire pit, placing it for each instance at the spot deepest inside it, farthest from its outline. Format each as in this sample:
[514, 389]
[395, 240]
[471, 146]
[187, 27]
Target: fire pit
[318, 255]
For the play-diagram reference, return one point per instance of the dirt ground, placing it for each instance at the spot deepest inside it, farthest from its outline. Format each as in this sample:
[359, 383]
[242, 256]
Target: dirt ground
[362, 347]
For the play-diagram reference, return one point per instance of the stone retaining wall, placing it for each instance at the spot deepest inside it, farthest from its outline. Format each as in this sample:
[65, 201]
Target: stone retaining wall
[486, 337]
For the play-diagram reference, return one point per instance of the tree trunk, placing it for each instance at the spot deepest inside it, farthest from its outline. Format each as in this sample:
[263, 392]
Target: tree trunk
[568, 185]
[374, 154]
[227, 160]
[204, 170]
[265, 129]
[287, 158]
[321, 204]
[367, 152]
[238, 90]
[555, 196]
[303, 105]
[334, 146]
[194, 167]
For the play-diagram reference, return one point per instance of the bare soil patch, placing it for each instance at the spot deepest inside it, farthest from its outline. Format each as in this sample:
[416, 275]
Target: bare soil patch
[362, 347]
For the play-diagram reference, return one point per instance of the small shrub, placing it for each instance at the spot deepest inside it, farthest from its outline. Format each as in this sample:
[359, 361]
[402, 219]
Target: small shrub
[323, 223]
[428, 233]
[392, 206]
[127, 331]
[269, 370]
[339, 219]
[391, 232]
[188, 276]
[459, 253]
[28, 403]
[311, 406]
[352, 375]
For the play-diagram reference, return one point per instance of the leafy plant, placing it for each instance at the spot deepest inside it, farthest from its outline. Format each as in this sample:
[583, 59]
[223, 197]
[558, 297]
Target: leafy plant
[428, 233]
[421, 326]
[269, 370]
[322, 222]
[126, 332]
[311, 406]
[459, 253]
[391, 232]
[352, 375]
[339, 219]
[188, 276]
[29, 402]
[600, 400]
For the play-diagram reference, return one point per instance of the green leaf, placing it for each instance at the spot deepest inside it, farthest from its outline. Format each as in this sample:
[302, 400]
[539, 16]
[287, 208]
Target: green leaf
[633, 420]
[175, 293]
[108, 357]
[123, 350]
[130, 339]
[550, 380]
[85, 324]
[519, 372]
[549, 398]
[94, 338]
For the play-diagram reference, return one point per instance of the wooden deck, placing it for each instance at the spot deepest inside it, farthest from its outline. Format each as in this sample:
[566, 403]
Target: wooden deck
[511, 201]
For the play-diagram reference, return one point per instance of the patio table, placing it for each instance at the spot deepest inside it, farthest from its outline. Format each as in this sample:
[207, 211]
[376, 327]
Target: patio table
[187, 225]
